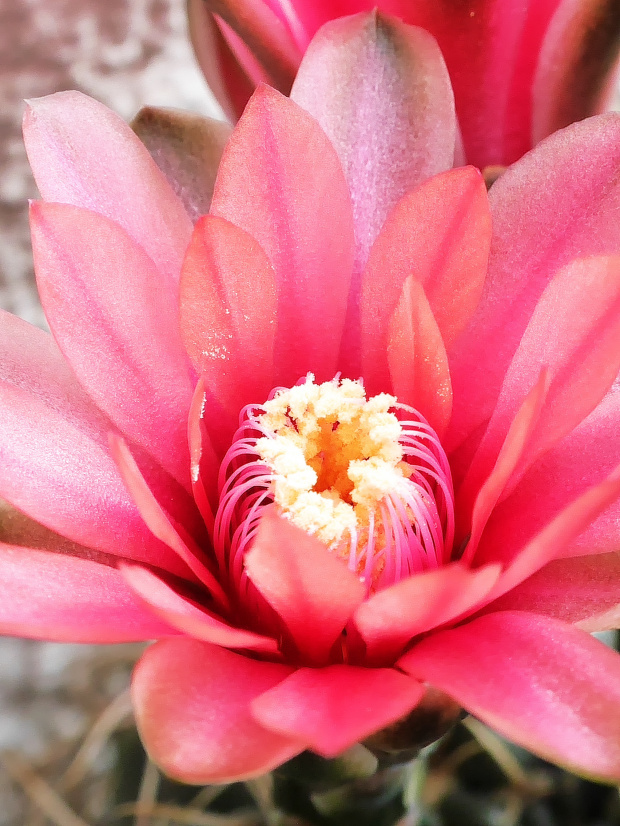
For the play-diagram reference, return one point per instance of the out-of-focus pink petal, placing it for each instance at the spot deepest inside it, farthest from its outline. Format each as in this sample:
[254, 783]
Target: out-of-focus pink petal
[575, 66]
[545, 214]
[187, 148]
[228, 316]
[52, 434]
[54, 596]
[392, 617]
[584, 591]
[381, 92]
[549, 687]
[192, 703]
[335, 707]
[554, 541]
[417, 357]
[573, 333]
[177, 537]
[311, 589]
[74, 143]
[184, 613]
[116, 327]
[440, 234]
[297, 206]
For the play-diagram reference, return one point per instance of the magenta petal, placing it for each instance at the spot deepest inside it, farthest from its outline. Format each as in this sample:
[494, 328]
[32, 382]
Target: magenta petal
[54, 596]
[47, 422]
[333, 708]
[381, 92]
[194, 620]
[389, 619]
[73, 143]
[312, 590]
[584, 591]
[127, 354]
[549, 687]
[297, 206]
[192, 703]
[558, 203]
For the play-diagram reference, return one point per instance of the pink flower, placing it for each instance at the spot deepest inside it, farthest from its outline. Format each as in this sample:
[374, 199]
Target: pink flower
[452, 522]
[520, 70]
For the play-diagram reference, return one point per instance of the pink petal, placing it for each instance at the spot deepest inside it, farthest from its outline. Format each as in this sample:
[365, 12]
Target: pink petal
[549, 687]
[333, 708]
[54, 596]
[381, 92]
[192, 708]
[83, 154]
[574, 333]
[127, 354]
[204, 462]
[53, 436]
[228, 316]
[575, 73]
[297, 206]
[545, 214]
[389, 619]
[187, 148]
[311, 589]
[584, 591]
[417, 358]
[184, 613]
[440, 234]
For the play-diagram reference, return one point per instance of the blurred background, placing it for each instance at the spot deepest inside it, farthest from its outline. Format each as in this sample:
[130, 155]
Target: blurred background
[69, 754]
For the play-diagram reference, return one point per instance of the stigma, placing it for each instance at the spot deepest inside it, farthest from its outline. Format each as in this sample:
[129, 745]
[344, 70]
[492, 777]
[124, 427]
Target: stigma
[367, 476]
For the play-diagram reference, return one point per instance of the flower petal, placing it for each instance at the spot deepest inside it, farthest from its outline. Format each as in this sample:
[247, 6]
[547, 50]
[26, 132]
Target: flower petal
[333, 708]
[297, 206]
[549, 687]
[126, 353]
[583, 591]
[381, 92]
[417, 358]
[545, 214]
[312, 590]
[440, 233]
[192, 709]
[55, 596]
[48, 423]
[389, 619]
[187, 615]
[228, 318]
[73, 142]
[187, 148]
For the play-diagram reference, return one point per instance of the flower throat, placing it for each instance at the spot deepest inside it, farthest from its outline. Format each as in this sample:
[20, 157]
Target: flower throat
[367, 477]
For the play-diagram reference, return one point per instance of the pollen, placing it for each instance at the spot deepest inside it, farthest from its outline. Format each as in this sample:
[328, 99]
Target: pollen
[367, 476]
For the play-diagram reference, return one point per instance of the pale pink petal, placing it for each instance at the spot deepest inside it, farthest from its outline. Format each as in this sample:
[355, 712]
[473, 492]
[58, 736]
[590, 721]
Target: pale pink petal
[558, 203]
[52, 435]
[228, 317]
[573, 333]
[311, 589]
[192, 704]
[575, 69]
[74, 143]
[117, 329]
[440, 234]
[335, 707]
[584, 591]
[549, 687]
[297, 206]
[417, 358]
[381, 92]
[54, 596]
[389, 619]
[184, 613]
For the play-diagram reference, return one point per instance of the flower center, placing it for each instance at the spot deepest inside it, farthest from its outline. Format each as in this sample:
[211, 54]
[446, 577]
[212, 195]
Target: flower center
[367, 477]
